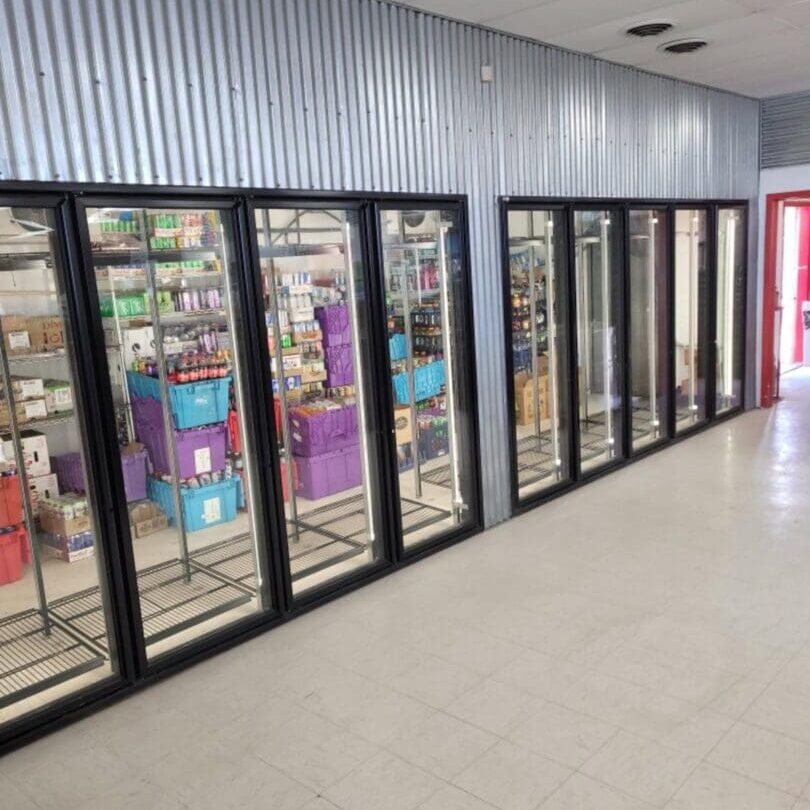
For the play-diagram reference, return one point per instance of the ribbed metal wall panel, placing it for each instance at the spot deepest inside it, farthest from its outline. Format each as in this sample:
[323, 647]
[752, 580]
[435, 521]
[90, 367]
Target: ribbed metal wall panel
[360, 95]
[786, 130]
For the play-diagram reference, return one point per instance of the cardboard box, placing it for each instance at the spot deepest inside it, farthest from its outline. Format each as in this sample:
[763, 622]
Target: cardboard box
[70, 549]
[137, 344]
[402, 424]
[146, 518]
[58, 396]
[56, 524]
[52, 333]
[27, 388]
[18, 335]
[42, 486]
[33, 409]
[35, 451]
[524, 398]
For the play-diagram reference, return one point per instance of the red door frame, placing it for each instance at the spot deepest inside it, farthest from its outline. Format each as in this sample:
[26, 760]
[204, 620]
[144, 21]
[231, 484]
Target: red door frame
[770, 301]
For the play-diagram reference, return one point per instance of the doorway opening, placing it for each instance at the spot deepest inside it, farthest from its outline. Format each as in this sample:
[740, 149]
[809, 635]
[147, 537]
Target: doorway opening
[786, 341]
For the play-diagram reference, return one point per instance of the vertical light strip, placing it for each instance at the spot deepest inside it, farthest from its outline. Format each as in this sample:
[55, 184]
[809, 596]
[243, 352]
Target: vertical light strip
[551, 325]
[607, 354]
[449, 375]
[359, 388]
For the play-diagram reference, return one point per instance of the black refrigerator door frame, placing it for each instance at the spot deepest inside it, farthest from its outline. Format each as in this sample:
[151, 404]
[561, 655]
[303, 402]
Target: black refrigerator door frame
[530, 501]
[618, 211]
[112, 582]
[716, 209]
[705, 351]
[466, 385]
[666, 432]
[314, 596]
[177, 656]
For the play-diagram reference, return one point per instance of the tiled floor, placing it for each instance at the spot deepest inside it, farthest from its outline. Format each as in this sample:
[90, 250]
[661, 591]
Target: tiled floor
[641, 643]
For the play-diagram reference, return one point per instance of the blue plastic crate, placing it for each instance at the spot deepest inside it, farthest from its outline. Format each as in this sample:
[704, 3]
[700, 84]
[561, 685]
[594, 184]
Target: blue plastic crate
[397, 347]
[203, 507]
[192, 404]
[427, 382]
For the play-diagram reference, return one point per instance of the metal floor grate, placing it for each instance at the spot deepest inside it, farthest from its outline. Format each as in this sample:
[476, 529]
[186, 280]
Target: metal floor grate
[534, 462]
[440, 476]
[83, 613]
[170, 603]
[31, 661]
[233, 558]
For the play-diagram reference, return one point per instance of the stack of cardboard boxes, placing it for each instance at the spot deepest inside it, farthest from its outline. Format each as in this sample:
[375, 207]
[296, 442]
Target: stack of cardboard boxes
[524, 393]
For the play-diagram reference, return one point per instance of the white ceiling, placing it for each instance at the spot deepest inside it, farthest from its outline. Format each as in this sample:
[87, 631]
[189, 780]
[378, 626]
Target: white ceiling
[756, 47]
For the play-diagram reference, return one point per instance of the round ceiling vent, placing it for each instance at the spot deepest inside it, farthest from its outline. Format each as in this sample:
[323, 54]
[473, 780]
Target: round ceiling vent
[681, 46]
[649, 29]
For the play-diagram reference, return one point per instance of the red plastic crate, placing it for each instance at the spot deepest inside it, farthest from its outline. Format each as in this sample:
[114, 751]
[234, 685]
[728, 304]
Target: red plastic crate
[11, 510]
[11, 569]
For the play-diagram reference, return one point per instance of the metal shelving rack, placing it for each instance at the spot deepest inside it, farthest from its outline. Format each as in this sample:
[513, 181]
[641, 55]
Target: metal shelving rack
[180, 593]
[316, 544]
[534, 461]
[603, 442]
[38, 649]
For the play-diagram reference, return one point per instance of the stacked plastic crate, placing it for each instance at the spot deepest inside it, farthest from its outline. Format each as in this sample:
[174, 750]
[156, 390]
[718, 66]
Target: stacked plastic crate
[211, 494]
[14, 550]
[323, 432]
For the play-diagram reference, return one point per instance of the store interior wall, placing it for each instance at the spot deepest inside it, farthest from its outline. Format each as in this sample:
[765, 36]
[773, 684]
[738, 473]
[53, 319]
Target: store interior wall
[366, 96]
[772, 181]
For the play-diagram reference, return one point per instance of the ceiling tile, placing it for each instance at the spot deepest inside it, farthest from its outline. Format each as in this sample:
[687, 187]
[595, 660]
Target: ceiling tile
[684, 15]
[737, 33]
[795, 13]
[762, 5]
[472, 10]
[561, 16]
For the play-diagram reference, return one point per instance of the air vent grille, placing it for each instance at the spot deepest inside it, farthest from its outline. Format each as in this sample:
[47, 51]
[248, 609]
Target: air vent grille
[684, 46]
[650, 29]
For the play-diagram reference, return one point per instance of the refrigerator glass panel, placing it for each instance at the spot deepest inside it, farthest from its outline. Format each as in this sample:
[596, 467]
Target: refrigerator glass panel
[428, 354]
[649, 317]
[597, 306]
[730, 307]
[319, 343]
[171, 313]
[538, 279]
[690, 318]
[55, 633]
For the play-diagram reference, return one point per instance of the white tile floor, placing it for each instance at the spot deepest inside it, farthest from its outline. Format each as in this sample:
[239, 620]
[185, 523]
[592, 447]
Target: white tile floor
[641, 643]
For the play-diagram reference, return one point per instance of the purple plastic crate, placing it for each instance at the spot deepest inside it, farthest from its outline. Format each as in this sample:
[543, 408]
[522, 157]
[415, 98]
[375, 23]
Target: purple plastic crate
[199, 450]
[334, 321]
[324, 432]
[70, 475]
[320, 476]
[339, 366]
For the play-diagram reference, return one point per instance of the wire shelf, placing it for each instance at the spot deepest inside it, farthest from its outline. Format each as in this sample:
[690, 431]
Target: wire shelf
[534, 459]
[440, 476]
[31, 661]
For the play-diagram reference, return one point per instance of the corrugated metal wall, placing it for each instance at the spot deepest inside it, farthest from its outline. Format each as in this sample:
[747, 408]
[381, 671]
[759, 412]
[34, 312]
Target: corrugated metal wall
[362, 95]
[786, 130]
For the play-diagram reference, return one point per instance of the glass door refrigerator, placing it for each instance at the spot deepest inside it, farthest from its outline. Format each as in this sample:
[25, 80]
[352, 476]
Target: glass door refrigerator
[597, 284]
[730, 308]
[536, 301]
[52, 537]
[313, 284]
[171, 307]
[430, 360]
[691, 317]
[648, 319]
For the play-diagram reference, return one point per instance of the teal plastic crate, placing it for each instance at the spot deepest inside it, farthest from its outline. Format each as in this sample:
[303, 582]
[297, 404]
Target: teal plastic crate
[203, 507]
[428, 381]
[192, 404]
[397, 347]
